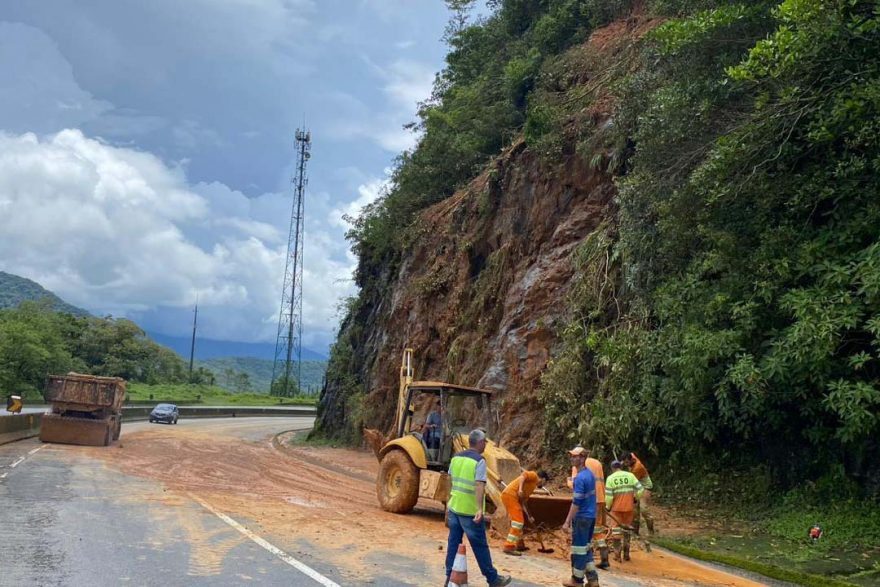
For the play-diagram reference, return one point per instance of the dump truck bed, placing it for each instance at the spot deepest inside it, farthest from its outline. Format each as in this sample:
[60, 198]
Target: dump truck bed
[86, 409]
[85, 392]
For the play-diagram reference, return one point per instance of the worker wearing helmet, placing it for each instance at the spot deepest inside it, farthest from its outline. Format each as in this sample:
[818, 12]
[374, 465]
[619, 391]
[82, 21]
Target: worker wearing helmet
[581, 522]
[515, 498]
[622, 490]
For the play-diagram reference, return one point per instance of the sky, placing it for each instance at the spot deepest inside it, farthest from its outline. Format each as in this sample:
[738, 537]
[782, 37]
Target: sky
[147, 152]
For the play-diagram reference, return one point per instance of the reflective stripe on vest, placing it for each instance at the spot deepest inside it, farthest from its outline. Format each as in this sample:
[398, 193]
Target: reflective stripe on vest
[462, 496]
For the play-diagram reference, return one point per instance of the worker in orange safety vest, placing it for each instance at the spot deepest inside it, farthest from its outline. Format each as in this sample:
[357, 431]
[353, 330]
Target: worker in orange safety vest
[635, 466]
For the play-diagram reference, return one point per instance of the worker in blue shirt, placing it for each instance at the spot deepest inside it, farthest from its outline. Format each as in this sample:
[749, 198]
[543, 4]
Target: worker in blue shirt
[581, 522]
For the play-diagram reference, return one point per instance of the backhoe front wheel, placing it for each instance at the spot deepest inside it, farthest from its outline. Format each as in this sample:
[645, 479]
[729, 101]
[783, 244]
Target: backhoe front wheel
[397, 485]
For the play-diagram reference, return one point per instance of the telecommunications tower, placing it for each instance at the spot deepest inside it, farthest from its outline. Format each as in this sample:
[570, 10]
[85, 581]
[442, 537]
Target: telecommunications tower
[287, 370]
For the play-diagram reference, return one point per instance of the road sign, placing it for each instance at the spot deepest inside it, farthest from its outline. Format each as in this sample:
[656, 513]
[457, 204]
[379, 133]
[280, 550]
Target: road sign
[13, 404]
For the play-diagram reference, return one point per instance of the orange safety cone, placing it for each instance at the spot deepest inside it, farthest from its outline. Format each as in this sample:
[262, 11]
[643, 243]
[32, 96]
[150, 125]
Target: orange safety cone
[458, 578]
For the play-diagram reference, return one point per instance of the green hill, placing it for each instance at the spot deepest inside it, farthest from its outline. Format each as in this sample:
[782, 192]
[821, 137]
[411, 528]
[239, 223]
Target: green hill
[259, 372]
[14, 290]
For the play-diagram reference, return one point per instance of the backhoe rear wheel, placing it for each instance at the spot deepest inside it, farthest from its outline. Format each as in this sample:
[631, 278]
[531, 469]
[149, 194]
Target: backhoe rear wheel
[397, 485]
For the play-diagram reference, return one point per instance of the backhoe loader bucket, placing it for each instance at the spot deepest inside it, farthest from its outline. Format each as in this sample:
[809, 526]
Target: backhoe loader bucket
[549, 511]
[83, 431]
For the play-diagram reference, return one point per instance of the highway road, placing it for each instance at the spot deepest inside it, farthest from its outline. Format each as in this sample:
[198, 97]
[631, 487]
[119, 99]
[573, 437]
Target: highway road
[216, 502]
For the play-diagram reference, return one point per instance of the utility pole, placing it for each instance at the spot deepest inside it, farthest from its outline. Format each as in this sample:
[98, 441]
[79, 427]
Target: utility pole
[288, 345]
[192, 347]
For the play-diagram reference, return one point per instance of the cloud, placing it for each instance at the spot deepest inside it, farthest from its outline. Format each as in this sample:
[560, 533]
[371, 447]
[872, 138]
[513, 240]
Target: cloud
[39, 91]
[117, 231]
[367, 194]
[404, 83]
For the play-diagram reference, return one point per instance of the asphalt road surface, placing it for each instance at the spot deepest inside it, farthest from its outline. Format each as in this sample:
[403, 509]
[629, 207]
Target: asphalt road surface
[214, 502]
[70, 520]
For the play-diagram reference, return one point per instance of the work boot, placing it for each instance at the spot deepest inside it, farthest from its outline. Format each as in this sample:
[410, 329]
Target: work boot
[521, 546]
[501, 581]
[603, 556]
[649, 522]
[511, 552]
[592, 582]
[572, 582]
[626, 553]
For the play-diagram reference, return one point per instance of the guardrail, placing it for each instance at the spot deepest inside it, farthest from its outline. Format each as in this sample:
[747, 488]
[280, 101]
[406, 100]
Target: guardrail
[20, 426]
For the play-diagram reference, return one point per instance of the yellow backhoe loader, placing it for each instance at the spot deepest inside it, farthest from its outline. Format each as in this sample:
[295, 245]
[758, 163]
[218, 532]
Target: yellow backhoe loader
[432, 425]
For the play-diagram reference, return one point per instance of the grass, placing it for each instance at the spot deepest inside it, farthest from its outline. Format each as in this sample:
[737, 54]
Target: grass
[206, 395]
[771, 571]
[768, 535]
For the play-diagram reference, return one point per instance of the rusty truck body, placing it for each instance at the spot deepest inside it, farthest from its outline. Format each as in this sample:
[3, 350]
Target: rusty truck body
[86, 409]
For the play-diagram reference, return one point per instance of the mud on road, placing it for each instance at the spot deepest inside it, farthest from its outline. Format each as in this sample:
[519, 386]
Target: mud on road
[323, 499]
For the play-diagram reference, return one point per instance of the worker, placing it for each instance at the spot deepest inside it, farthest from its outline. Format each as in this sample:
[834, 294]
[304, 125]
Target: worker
[515, 498]
[595, 466]
[581, 521]
[600, 531]
[467, 501]
[632, 462]
[431, 429]
[622, 490]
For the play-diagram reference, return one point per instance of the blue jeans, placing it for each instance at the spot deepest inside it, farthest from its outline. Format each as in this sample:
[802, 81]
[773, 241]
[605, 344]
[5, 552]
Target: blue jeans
[581, 554]
[476, 533]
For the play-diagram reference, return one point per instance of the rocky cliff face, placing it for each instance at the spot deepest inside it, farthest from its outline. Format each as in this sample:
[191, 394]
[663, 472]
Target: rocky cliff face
[481, 292]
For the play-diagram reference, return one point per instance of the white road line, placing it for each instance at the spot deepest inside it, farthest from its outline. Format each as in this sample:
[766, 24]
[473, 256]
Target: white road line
[17, 463]
[32, 451]
[301, 567]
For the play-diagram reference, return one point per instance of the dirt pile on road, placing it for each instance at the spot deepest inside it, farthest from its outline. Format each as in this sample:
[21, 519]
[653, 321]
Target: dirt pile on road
[309, 498]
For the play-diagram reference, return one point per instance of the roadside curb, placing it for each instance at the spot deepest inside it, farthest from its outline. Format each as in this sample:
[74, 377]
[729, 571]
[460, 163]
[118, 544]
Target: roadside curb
[21, 426]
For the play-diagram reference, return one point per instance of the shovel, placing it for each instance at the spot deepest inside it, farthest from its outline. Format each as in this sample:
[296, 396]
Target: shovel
[543, 549]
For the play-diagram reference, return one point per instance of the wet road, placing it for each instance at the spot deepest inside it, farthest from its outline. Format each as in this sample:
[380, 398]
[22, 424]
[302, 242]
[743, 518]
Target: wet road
[69, 520]
[70, 516]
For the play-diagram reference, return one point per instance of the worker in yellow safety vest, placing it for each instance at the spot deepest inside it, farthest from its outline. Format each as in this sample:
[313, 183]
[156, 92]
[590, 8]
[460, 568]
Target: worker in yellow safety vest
[632, 462]
[467, 501]
[515, 498]
[622, 491]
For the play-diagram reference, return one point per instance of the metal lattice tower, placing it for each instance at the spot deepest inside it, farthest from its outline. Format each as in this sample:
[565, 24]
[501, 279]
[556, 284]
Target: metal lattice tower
[287, 370]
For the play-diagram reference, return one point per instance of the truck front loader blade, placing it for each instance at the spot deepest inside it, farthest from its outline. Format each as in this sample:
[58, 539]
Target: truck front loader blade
[83, 431]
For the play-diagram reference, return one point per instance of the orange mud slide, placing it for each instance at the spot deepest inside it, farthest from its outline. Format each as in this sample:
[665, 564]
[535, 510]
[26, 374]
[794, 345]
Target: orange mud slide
[323, 500]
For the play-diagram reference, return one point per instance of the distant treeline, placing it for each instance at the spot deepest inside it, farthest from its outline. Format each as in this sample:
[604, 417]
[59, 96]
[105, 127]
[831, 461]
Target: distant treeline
[35, 341]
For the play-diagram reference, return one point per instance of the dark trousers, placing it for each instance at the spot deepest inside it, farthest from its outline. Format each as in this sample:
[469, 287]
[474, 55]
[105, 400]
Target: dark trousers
[476, 533]
[581, 554]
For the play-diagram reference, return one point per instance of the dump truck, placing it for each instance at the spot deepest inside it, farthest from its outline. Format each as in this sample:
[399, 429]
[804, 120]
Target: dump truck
[85, 410]
[410, 468]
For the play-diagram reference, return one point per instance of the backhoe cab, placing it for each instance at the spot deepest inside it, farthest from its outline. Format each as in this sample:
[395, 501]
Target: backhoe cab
[432, 425]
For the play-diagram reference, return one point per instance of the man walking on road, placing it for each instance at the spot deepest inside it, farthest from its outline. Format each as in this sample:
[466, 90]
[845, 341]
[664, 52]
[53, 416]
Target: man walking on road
[636, 467]
[581, 521]
[467, 501]
[515, 498]
[622, 490]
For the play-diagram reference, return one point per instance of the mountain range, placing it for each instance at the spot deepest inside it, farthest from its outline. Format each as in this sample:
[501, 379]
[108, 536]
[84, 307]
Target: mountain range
[15, 289]
[207, 348]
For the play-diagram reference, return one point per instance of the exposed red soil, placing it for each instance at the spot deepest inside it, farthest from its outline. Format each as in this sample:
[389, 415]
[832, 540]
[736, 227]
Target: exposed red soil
[325, 498]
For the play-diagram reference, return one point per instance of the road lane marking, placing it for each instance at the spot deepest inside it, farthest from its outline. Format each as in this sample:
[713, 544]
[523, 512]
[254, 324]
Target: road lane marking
[301, 567]
[20, 460]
